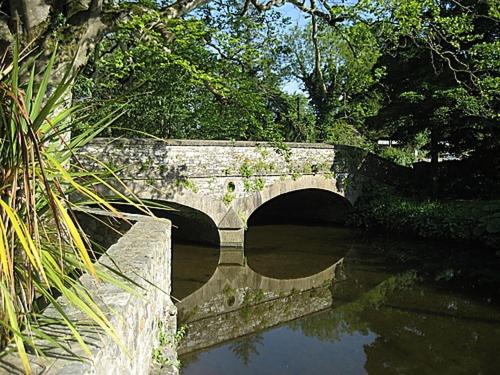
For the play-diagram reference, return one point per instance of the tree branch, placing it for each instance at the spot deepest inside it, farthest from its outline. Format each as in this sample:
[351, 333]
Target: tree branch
[181, 7]
[317, 52]
[313, 11]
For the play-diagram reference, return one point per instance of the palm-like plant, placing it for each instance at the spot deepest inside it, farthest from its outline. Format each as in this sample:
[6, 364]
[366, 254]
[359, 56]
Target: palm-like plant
[41, 245]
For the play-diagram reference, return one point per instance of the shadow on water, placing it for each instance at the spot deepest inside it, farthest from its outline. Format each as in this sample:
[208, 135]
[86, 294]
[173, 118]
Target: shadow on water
[192, 266]
[292, 251]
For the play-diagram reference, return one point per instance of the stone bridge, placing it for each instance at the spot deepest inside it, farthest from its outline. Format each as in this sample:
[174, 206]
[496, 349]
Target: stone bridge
[212, 188]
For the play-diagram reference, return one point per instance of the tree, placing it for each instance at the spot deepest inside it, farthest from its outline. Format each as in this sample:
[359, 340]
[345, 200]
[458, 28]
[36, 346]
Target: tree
[442, 77]
[208, 81]
[79, 26]
[339, 86]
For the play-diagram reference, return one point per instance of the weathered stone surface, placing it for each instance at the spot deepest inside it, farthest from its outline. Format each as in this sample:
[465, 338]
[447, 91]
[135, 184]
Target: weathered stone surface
[228, 181]
[143, 254]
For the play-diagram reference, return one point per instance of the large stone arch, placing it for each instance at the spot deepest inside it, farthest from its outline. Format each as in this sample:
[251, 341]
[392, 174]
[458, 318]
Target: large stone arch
[246, 206]
[227, 221]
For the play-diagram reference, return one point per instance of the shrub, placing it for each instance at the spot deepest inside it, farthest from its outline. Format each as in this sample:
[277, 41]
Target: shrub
[42, 248]
[380, 207]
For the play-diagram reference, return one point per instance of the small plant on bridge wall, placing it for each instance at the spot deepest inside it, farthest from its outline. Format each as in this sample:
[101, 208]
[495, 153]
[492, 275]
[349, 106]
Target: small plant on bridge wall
[295, 175]
[230, 193]
[146, 166]
[329, 175]
[259, 168]
[186, 183]
[228, 198]
[264, 153]
[246, 169]
[249, 168]
[167, 344]
[150, 180]
[253, 184]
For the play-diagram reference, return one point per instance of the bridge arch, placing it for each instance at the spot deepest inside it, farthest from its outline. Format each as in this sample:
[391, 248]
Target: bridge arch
[228, 222]
[213, 208]
[249, 205]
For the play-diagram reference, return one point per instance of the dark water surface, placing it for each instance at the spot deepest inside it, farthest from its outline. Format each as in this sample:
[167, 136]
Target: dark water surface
[392, 307]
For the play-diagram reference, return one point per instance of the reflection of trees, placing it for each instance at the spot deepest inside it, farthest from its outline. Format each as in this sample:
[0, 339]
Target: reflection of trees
[245, 347]
[427, 331]
[348, 318]
[418, 329]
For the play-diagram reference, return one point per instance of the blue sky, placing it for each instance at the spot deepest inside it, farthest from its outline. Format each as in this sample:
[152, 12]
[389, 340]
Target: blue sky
[297, 17]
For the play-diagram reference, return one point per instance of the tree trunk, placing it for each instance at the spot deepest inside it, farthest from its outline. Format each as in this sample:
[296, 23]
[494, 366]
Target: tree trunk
[77, 26]
[434, 150]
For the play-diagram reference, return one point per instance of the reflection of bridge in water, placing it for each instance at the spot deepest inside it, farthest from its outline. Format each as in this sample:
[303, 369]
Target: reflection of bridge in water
[237, 301]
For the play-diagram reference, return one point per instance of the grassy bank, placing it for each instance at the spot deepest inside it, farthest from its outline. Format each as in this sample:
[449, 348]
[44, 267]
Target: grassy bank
[380, 208]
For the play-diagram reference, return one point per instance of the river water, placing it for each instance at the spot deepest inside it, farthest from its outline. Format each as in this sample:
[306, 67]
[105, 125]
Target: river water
[330, 300]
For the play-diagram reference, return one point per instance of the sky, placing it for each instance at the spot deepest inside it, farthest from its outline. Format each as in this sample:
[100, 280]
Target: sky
[293, 86]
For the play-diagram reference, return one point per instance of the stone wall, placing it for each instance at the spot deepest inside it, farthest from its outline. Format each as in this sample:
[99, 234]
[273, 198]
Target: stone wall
[228, 181]
[227, 171]
[143, 254]
[210, 168]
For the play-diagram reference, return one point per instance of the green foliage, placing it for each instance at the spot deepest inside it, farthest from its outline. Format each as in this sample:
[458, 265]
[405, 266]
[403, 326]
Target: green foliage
[186, 183]
[212, 78]
[402, 156]
[228, 198]
[441, 77]
[166, 342]
[253, 184]
[489, 223]
[449, 220]
[341, 132]
[42, 247]
[349, 53]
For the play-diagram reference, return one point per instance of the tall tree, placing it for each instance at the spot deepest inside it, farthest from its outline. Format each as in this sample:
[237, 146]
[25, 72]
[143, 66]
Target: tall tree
[335, 65]
[217, 77]
[443, 76]
[79, 25]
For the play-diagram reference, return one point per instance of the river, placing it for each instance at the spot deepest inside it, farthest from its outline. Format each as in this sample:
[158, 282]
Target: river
[331, 300]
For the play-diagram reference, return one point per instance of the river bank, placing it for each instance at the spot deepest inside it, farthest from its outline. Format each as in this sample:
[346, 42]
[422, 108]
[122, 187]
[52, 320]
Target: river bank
[381, 208]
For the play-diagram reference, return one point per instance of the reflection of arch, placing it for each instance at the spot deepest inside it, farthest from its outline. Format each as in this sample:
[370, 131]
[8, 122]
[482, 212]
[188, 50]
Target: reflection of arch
[244, 277]
[249, 205]
[239, 295]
